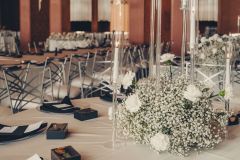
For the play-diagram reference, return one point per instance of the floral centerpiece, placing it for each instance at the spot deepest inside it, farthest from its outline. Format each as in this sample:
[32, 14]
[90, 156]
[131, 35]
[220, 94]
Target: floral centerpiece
[170, 115]
[212, 51]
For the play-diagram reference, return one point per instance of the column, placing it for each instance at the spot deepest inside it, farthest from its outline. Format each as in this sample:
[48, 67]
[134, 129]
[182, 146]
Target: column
[34, 23]
[60, 16]
[25, 23]
[137, 21]
[94, 15]
[166, 20]
[228, 16]
[176, 26]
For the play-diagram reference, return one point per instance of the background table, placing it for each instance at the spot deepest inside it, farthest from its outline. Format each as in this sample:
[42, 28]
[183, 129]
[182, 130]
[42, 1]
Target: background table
[92, 139]
[41, 58]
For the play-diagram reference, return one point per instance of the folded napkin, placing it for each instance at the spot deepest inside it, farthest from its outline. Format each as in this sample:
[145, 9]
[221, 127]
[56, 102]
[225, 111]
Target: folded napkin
[65, 106]
[35, 157]
[109, 97]
[10, 133]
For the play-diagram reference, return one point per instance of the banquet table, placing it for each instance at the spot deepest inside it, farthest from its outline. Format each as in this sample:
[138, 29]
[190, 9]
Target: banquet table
[92, 139]
[41, 58]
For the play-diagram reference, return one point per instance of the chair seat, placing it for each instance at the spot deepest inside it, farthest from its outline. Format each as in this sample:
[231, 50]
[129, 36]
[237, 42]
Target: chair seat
[103, 77]
[61, 91]
[29, 105]
[88, 81]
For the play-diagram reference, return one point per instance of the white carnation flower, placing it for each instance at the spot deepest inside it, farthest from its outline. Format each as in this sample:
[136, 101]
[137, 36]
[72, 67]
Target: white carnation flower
[127, 79]
[202, 56]
[133, 103]
[215, 36]
[192, 93]
[167, 57]
[224, 48]
[203, 39]
[225, 36]
[160, 142]
[214, 50]
[219, 40]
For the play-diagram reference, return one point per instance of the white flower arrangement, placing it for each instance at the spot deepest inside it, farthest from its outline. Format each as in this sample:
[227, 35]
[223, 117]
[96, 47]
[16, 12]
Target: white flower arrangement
[167, 57]
[213, 50]
[128, 79]
[160, 115]
[192, 93]
[133, 103]
[160, 142]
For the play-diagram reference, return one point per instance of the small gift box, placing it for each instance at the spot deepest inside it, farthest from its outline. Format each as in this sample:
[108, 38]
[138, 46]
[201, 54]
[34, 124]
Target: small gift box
[57, 131]
[238, 115]
[233, 120]
[86, 114]
[65, 153]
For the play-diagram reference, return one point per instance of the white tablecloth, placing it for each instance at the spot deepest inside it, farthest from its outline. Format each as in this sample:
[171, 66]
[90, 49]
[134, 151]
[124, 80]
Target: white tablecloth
[92, 139]
[67, 44]
[7, 40]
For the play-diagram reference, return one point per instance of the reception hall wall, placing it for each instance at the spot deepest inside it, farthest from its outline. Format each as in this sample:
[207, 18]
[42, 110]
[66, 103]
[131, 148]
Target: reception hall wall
[36, 26]
[229, 10]
[9, 14]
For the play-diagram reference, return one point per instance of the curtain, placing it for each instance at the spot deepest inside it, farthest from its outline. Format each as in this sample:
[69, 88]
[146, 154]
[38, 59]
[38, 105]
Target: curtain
[104, 10]
[208, 10]
[81, 10]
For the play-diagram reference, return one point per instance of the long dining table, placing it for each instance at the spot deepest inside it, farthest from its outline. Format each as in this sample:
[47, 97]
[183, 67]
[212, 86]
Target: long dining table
[93, 138]
[4, 60]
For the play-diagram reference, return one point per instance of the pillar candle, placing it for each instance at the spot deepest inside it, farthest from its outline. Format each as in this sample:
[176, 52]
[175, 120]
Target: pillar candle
[228, 69]
[227, 81]
[192, 24]
[158, 38]
[116, 63]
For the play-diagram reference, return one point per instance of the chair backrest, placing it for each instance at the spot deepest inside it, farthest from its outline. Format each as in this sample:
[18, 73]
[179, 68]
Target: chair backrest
[58, 69]
[24, 84]
[80, 63]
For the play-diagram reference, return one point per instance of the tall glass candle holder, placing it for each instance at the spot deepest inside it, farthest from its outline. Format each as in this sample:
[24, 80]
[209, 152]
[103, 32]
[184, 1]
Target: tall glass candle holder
[155, 38]
[117, 44]
[116, 70]
[184, 8]
[152, 38]
[194, 25]
[158, 39]
[227, 85]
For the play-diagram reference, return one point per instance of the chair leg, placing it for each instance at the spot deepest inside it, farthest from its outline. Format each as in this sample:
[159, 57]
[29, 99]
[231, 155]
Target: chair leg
[8, 91]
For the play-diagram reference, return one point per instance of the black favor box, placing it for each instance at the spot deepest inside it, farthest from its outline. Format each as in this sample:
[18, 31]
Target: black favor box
[86, 114]
[57, 131]
[65, 153]
[233, 120]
